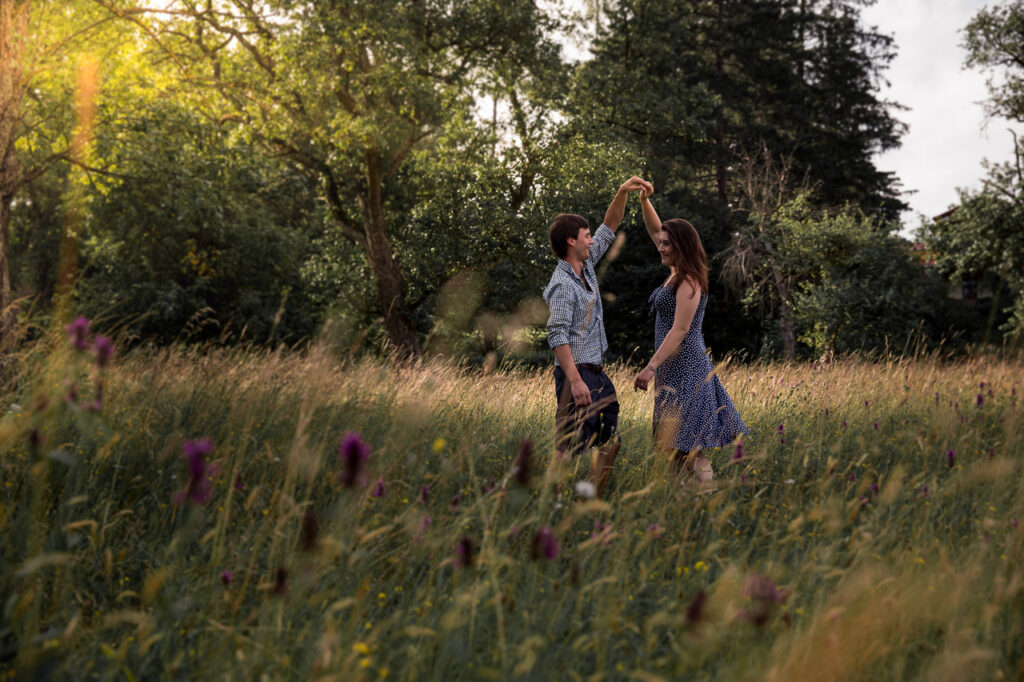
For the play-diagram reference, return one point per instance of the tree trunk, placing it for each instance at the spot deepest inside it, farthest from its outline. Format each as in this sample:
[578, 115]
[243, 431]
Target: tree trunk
[6, 311]
[786, 329]
[382, 261]
[13, 33]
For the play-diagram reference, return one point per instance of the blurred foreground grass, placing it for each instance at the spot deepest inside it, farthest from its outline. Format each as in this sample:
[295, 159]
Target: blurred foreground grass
[870, 531]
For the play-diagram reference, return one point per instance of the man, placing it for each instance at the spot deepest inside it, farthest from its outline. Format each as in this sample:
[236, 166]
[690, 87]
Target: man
[587, 410]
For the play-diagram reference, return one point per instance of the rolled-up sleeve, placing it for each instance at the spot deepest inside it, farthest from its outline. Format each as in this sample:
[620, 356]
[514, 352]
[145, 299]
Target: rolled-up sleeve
[603, 239]
[559, 324]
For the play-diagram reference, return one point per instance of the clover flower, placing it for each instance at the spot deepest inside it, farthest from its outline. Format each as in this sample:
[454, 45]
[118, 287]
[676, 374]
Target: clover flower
[353, 453]
[586, 490]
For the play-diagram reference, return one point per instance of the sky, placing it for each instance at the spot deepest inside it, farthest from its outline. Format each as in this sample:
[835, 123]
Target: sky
[948, 136]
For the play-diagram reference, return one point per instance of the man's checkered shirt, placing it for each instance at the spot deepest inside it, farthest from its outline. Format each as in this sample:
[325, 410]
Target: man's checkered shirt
[577, 316]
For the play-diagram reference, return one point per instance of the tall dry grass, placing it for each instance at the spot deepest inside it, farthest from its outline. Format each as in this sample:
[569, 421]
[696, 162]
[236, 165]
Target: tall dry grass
[870, 531]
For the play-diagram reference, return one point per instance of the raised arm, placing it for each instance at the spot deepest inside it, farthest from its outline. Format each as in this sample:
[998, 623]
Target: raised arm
[617, 209]
[651, 219]
[687, 301]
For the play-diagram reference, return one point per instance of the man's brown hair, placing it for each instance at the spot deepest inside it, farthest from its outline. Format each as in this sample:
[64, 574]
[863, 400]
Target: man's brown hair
[565, 227]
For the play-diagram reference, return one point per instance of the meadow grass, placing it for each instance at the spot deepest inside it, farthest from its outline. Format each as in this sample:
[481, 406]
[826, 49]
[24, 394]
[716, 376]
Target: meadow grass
[870, 530]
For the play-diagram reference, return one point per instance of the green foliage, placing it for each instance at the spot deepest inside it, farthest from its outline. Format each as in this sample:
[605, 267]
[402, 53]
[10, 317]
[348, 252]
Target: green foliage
[197, 237]
[847, 281]
[994, 40]
[983, 235]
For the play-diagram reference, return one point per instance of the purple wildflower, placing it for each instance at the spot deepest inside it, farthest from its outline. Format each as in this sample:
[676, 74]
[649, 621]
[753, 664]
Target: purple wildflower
[239, 485]
[780, 428]
[924, 491]
[78, 331]
[950, 458]
[487, 487]
[826, 411]
[852, 476]
[522, 463]
[310, 531]
[544, 544]
[378, 490]
[425, 523]
[425, 494]
[981, 399]
[454, 504]
[227, 577]
[873, 488]
[655, 530]
[764, 595]
[695, 609]
[353, 453]
[465, 552]
[281, 581]
[197, 489]
[739, 454]
[35, 439]
[104, 348]
[876, 426]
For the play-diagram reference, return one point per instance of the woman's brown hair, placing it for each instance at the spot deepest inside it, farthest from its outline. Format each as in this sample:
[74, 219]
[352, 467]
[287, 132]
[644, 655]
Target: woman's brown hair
[688, 257]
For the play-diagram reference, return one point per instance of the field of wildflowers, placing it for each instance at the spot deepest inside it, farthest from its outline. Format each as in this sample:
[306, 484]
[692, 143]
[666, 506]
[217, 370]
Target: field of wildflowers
[246, 515]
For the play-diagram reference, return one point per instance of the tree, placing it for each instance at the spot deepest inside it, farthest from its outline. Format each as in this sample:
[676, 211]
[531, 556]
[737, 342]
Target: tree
[346, 90]
[41, 45]
[985, 233]
[994, 40]
[700, 86]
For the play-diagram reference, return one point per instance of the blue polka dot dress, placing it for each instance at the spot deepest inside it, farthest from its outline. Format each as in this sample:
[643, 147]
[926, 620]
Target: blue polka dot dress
[691, 408]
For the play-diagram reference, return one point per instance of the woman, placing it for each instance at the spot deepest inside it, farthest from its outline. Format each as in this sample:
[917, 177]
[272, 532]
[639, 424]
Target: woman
[692, 411]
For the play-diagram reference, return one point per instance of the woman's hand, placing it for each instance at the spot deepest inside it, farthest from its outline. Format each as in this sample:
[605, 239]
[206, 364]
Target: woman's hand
[643, 379]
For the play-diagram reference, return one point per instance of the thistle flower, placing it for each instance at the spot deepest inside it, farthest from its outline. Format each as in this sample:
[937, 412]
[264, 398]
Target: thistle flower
[981, 399]
[378, 490]
[950, 458]
[78, 332]
[465, 552]
[655, 530]
[104, 349]
[695, 609]
[740, 454]
[852, 476]
[227, 577]
[197, 489]
[353, 453]
[454, 504]
[425, 494]
[544, 544]
[281, 581]
[522, 463]
[764, 595]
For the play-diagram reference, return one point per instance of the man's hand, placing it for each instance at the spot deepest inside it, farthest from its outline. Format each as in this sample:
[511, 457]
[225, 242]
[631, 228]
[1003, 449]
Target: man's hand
[643, 379]
[637, 184]
[580, 392]
[613, 216]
